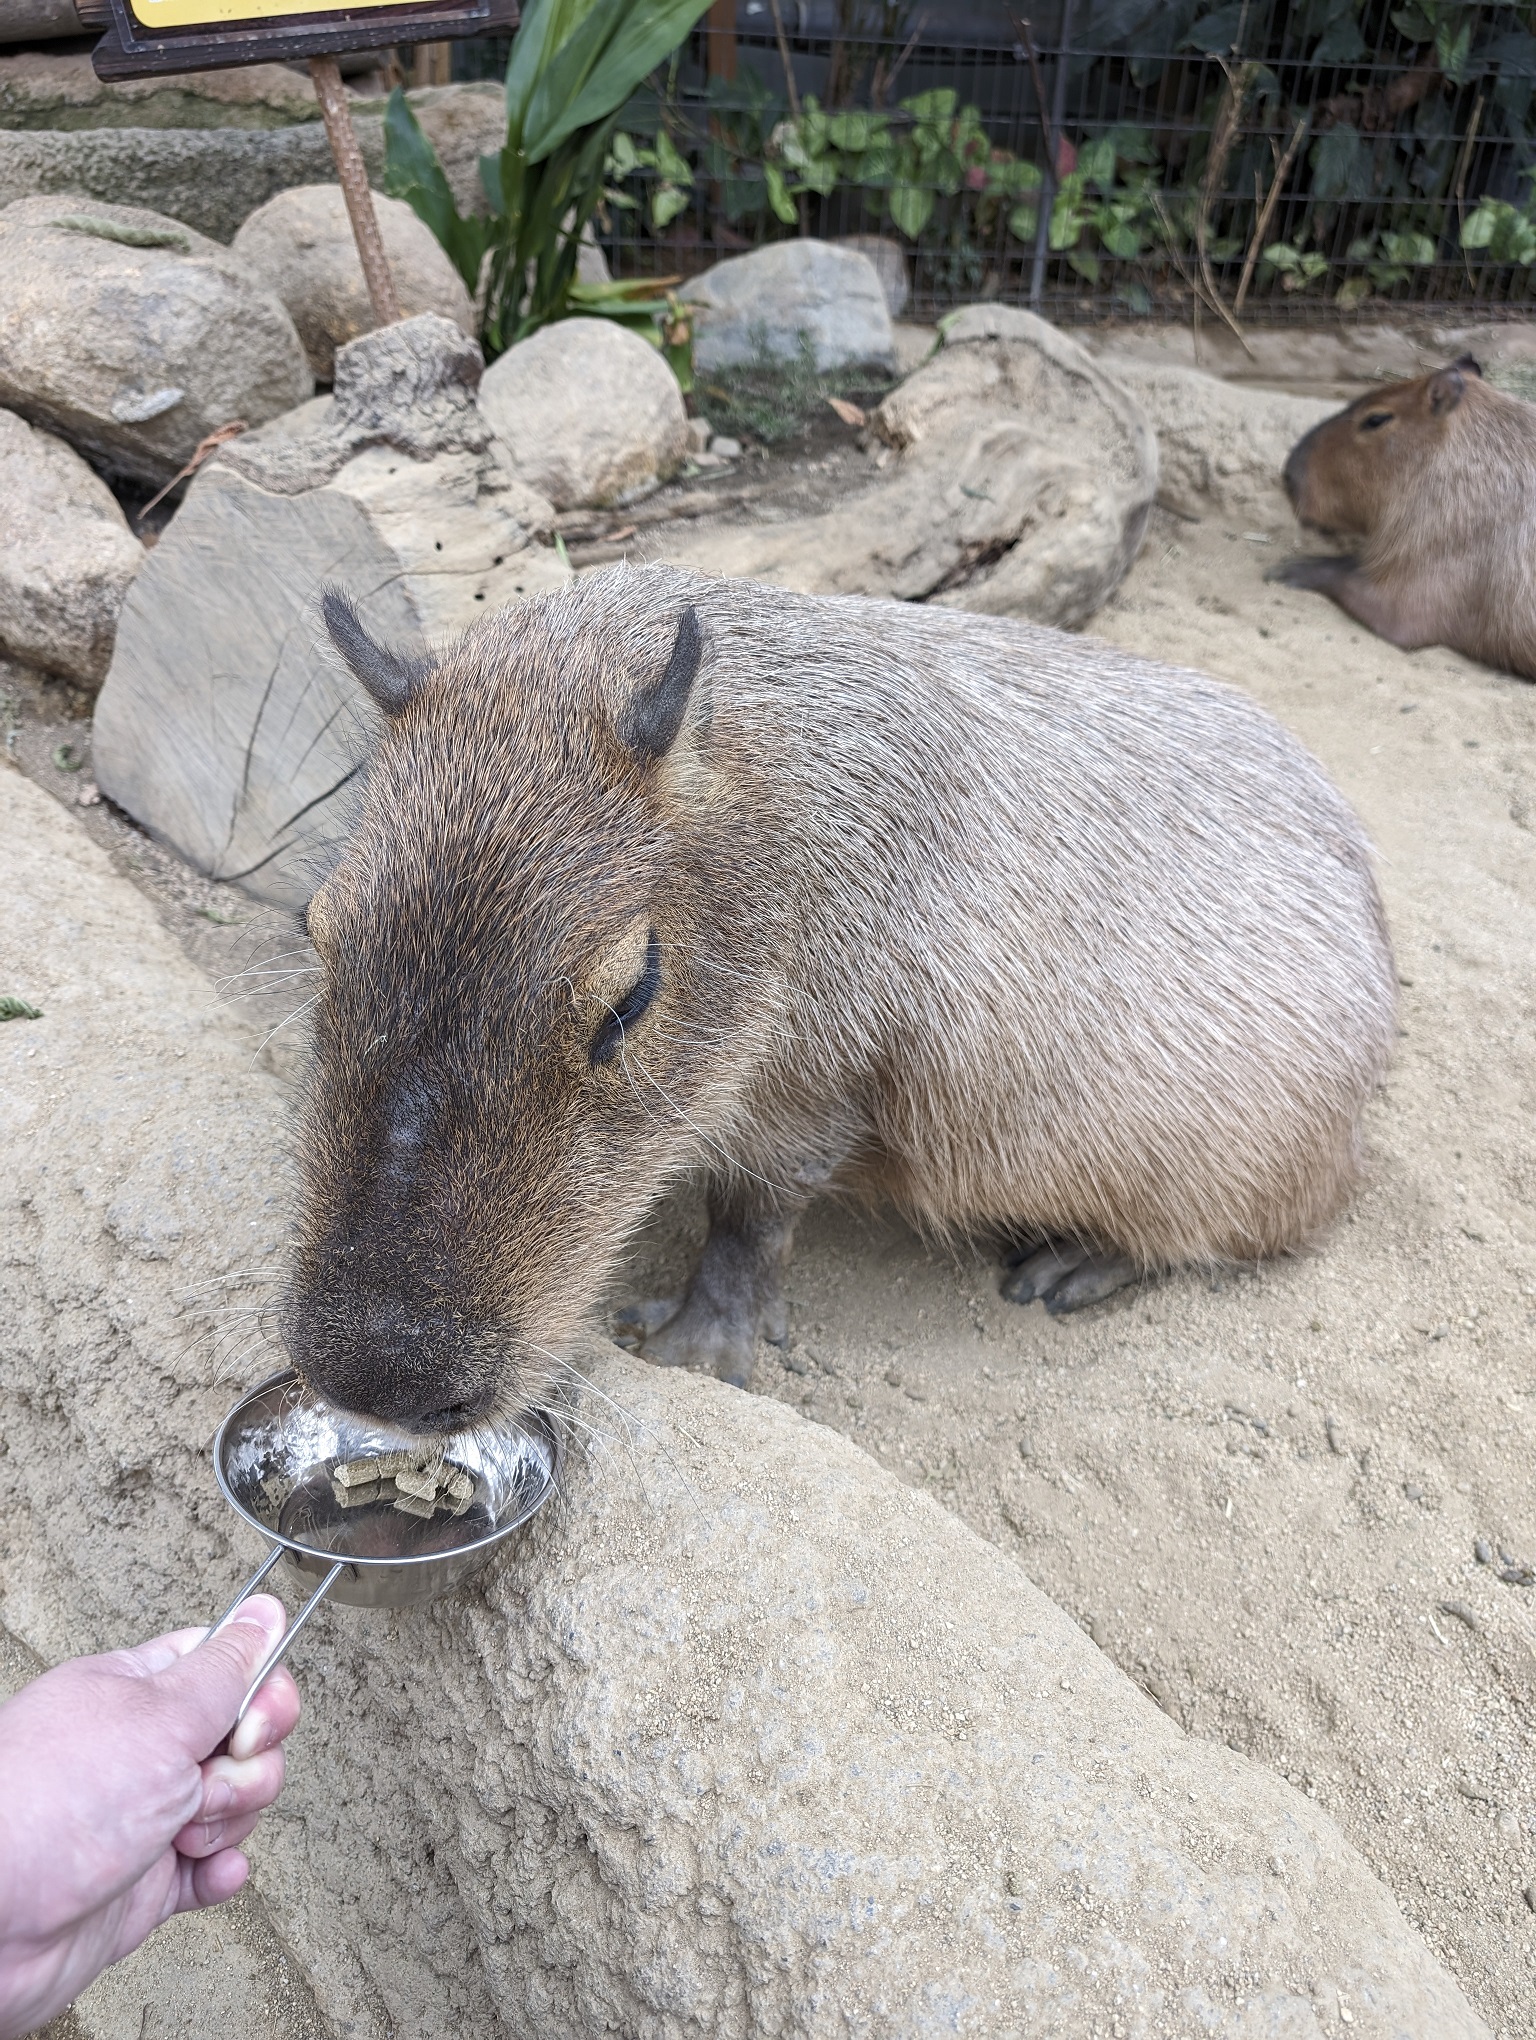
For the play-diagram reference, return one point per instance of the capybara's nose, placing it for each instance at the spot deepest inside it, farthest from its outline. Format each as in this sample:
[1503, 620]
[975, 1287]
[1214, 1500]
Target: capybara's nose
[389, 1357]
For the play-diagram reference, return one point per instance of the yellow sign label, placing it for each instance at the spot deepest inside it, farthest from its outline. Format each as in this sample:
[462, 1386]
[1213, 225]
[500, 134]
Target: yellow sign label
[217, 13]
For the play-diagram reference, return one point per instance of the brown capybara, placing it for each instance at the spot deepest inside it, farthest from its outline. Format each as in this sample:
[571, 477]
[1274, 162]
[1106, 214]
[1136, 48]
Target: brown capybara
[1437, 479]
[1030, 936]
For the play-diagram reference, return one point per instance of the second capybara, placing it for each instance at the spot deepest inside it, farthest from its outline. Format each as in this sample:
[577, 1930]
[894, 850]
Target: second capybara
[1437, 480]
[1032, 937]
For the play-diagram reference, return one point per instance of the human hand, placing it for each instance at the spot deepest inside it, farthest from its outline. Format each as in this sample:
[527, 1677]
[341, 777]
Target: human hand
[113, 1815]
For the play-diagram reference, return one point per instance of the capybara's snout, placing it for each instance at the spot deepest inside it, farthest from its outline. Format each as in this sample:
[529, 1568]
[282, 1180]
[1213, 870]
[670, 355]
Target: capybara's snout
[416, 1360]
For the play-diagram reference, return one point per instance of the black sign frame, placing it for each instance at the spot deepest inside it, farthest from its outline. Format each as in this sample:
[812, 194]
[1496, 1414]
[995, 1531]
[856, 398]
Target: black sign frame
[129, 50]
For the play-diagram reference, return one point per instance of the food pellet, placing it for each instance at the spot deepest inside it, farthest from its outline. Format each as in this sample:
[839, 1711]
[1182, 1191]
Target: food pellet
[356, 1497]
[422, 1485]
[357, 1472]
[412, 1505]
[460, 1485]
[391, 1463]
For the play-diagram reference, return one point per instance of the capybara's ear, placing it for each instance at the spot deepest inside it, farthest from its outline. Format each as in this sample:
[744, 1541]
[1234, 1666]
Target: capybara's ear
[649, 721]
[392, 678]
[1469, 365]
[1447, 389]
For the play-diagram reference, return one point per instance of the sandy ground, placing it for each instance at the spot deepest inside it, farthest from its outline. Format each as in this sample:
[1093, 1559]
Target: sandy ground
[1262, 1495]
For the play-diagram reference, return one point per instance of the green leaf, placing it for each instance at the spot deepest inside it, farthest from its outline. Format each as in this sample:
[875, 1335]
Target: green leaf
[1341, 42]
[1216, 33]
[1087, 266]
[669, 162]
[1096, 163]
[1353, 292]
[854, 132]
[412, 172]
[936, 108]
[1483, 224]
[778, 194]
[911, 208]
[1121, 240]
[667, 203]
[1413, 24]
[1453, 47]
[643, 33]
[1024, 222]
[1340, 165]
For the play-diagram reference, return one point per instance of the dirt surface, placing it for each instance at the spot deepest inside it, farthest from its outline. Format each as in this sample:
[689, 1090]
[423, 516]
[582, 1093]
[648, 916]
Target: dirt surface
[1263, 1494]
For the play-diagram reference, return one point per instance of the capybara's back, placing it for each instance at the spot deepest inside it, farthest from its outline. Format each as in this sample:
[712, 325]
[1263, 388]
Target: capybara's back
[1023, 932]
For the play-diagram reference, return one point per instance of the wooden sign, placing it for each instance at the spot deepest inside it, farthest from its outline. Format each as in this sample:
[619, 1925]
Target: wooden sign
[158, 37]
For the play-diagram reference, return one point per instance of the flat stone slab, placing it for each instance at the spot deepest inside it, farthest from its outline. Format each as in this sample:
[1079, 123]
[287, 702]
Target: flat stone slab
[742, 1738]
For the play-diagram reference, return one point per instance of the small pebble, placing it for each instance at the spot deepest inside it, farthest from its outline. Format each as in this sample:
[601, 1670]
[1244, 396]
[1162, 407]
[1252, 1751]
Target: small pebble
[724, 448]
[1335, 1436]
[1529, 1895]
[893, 1377]
[1413, 1491]
[1482, 1551]
[1461, 1612]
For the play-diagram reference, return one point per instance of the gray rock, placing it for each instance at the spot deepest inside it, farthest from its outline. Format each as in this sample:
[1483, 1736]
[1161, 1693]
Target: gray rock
[302, 247]
[780, 298]
[742, 1737]
[223, 726]
[134, 337]
[1221, 446]
[42, 89]
[38, 20]
[890, 260]
[1019, 478]
[589, 412]
[66, 555]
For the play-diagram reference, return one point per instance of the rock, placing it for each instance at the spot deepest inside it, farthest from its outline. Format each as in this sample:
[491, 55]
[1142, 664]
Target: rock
[590, 412]
[1339, 361]
[1020, 479]
[38, 20]
[742, 1737]
[300, 244]
[215, 178]
[1221, 446]
[134, 337]
[39, 89]
[779, 298]
[66, 555]
[890, 260]
[223, 726]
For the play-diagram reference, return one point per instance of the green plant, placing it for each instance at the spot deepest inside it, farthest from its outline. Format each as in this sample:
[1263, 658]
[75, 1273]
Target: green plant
[574, 64]
[770, 399]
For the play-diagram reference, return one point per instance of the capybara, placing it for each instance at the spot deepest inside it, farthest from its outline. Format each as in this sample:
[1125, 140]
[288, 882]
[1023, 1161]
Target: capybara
[1034, 938]
[1437, 478]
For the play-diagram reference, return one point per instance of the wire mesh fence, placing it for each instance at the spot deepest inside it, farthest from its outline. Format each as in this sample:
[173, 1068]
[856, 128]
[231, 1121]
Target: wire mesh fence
[1297, 160]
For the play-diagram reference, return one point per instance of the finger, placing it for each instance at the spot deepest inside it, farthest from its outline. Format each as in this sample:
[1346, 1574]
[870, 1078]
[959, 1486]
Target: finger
[273, 1714]
[211, 1880]
[202, 1691]
[157, 1653]
[206, 1838]
[229, 1790]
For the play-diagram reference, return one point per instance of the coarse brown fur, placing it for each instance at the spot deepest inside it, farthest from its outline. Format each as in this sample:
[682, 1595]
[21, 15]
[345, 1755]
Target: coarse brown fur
[1019, 931]
[1438, 478]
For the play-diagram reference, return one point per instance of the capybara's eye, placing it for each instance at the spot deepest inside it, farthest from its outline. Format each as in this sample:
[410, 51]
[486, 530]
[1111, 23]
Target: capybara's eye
[631, 1009]
[1374, 420]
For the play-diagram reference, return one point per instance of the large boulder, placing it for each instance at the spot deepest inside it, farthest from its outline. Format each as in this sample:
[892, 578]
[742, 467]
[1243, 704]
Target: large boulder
[590, 413]
[786, 297]
[134, 337]
[41, 89]
[1221, 446]
[1018, 480]
[890, 260]
[66, 555]
[741, 1737]
[224, 727]
[213, 177]
[300, 244]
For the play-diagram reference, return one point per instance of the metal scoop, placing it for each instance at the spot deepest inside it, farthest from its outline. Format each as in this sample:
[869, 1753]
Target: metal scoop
[274, 1458]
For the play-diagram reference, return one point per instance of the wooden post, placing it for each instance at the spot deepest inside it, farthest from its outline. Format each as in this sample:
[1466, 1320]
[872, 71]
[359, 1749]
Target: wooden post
[353, 173]
[721, 40]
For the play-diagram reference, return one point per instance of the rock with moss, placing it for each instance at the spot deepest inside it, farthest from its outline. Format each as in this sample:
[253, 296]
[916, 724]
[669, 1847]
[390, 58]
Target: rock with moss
[43, 90]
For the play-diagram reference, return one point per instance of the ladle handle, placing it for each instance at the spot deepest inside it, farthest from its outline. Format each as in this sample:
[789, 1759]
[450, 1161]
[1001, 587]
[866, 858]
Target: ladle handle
[279, 1649]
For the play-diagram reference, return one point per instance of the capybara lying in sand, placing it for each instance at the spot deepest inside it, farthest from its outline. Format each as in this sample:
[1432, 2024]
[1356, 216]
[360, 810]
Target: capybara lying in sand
[1437, 478]
[1034, 938]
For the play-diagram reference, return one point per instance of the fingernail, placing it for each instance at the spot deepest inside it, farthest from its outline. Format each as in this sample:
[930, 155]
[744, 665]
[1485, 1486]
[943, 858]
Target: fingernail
[250, 1738]
[219, 1799]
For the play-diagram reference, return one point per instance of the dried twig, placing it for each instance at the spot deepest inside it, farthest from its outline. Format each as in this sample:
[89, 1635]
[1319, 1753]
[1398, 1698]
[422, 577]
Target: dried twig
[1461, 178]
[1267, 211]
[1224, 132]
[200, 453]
[789, 70]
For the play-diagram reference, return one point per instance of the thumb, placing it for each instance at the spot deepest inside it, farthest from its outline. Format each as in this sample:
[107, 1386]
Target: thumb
[203, 1690]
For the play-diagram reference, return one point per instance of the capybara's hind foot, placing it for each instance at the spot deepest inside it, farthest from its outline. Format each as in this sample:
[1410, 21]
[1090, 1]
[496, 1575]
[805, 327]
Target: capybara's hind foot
[634, 1324]
[1065, 1276]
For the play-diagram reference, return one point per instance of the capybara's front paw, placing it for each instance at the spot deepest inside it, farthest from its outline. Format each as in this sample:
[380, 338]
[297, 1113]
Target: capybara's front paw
[709, 1342]
[1320, 573]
